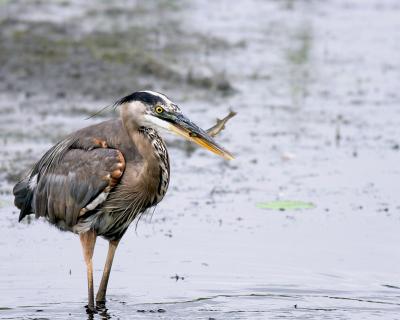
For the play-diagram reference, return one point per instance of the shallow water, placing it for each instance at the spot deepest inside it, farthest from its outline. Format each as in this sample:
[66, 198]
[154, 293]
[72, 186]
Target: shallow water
[315, 85]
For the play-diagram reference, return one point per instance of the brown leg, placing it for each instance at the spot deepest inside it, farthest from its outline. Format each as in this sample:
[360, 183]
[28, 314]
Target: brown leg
[88, 240]
[101, 294]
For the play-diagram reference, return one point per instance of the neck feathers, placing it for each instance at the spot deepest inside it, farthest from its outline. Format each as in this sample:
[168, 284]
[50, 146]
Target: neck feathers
[161, 160]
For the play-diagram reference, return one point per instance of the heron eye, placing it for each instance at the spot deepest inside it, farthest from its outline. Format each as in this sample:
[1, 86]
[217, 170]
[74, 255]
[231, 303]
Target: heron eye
[159, 109]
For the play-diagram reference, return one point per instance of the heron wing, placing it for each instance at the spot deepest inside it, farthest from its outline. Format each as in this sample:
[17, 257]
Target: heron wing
[78, 183]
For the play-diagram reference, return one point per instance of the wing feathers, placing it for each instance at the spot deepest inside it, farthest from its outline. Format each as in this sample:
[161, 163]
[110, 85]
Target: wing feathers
[78, 183]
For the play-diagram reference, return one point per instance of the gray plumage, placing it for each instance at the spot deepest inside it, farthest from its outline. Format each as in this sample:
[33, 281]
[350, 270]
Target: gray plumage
[99, 179]
[79, 169]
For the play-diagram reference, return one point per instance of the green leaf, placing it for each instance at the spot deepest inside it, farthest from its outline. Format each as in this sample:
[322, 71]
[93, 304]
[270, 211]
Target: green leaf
[285, 205]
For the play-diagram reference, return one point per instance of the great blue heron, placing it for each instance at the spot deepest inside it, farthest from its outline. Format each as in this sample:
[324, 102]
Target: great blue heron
[97, 180]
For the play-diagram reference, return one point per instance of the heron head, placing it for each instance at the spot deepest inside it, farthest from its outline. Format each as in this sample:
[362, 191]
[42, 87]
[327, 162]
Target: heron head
[155, 110]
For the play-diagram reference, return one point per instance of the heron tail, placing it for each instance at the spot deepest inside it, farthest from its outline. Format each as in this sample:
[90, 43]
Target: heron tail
[23, 198]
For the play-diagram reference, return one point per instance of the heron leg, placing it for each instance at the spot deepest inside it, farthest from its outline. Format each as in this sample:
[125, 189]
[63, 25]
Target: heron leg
[88, 240]
[101, 294]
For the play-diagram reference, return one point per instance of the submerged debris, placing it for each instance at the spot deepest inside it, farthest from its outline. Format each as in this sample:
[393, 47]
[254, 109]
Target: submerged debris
[151, 310]
[176, 277]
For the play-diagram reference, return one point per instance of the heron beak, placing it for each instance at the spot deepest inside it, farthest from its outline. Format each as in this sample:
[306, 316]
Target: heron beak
[190, 131]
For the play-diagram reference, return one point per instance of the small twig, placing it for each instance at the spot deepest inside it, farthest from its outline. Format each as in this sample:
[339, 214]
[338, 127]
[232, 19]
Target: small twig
[220, 125]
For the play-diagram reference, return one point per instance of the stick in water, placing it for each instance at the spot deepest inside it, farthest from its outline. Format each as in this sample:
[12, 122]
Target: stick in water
[220, 125]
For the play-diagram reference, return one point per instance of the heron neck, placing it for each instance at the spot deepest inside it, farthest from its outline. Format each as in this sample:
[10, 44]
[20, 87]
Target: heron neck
[145, 148]
[141, 142]
[155, 170]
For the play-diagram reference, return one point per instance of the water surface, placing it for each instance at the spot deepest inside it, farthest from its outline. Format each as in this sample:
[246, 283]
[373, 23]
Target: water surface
[315, 85]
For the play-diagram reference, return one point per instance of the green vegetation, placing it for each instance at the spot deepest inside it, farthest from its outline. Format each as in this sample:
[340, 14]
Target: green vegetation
[285, 205]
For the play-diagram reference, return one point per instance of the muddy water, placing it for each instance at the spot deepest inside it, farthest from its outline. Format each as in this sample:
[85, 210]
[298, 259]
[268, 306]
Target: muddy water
[316, 88]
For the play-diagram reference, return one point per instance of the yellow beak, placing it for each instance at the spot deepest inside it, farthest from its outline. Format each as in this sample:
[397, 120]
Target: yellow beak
[193, 133]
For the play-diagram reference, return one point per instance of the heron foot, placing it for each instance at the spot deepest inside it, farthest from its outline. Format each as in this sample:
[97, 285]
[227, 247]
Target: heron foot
[100, 305]
[90, 309]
